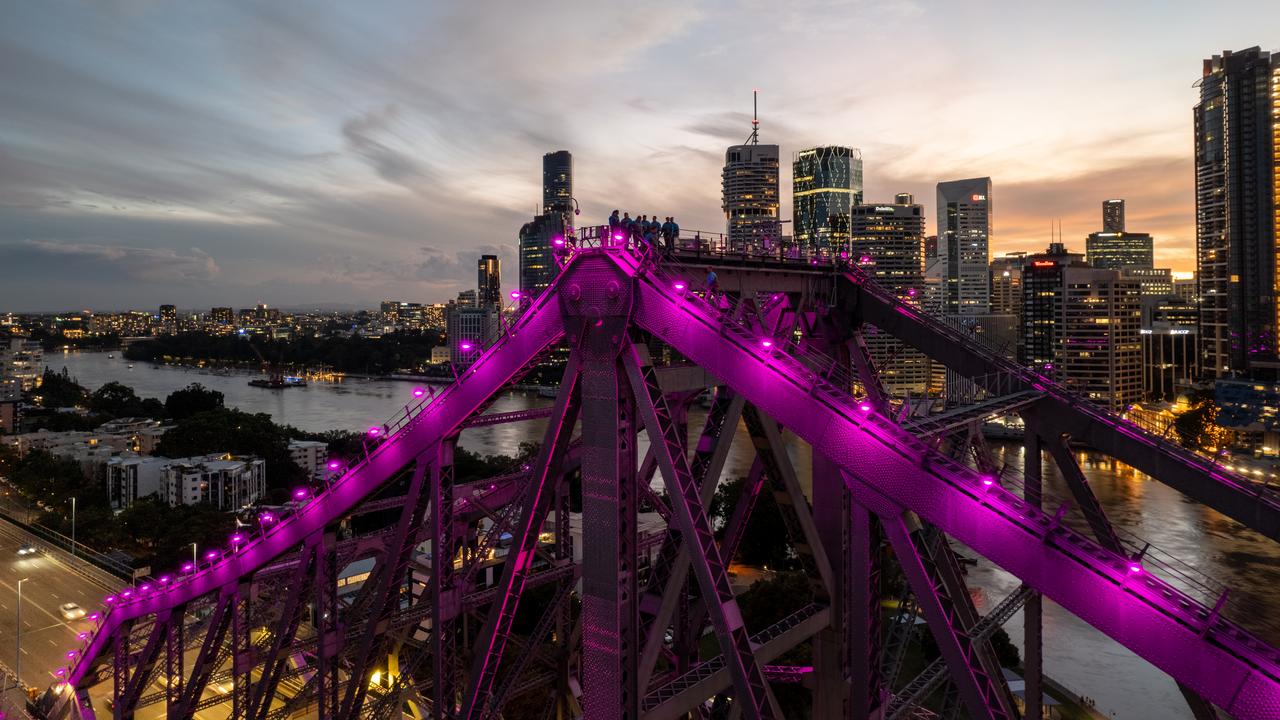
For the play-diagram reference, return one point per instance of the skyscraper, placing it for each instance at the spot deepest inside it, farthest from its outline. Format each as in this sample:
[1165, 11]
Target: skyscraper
[887, 240]
[1006, 284]
[1113, 216]
[557, 182]
[826, 184]
[960, 269]
[749, 187]
[1115, 249]
[1237, 144]
[489, 280]
[1081, 324]
[537, 266]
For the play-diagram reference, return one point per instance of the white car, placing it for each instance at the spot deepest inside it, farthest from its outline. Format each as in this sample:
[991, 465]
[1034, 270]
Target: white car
[71, 611]
[27, 550]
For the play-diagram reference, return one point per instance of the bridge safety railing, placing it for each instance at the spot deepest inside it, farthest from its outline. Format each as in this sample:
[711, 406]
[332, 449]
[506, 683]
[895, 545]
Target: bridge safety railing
[1173, 585]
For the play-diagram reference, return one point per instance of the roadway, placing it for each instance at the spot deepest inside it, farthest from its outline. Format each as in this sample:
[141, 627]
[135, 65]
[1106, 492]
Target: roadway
[50, 582]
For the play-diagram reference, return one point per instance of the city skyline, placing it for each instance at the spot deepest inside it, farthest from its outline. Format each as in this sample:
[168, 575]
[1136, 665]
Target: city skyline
[153, 157]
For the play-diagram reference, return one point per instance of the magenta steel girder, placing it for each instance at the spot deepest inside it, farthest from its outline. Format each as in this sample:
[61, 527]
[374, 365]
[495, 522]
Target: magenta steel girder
[600, 302]
[862, 300]
[753, 692]
[1230, 668]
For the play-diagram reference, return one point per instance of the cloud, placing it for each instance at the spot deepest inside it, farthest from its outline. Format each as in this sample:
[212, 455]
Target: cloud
[371, 136]
[148, 264]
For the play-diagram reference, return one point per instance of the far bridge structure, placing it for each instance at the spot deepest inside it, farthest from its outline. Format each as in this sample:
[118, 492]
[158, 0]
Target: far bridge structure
[477, 604]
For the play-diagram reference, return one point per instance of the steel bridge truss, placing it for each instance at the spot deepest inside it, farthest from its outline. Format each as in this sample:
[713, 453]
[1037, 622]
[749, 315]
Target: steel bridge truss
[482, 600]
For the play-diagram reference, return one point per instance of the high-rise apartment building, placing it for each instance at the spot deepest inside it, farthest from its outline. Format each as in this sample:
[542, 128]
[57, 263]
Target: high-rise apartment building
[538, 237]
[1113, 216]
[887, 241]
[222, 316]
[1237, 146]
[826, 184]
[960, 267]
[21, 363]
[557, 183]
[489, 280]
[749, 185]
[1081, 325]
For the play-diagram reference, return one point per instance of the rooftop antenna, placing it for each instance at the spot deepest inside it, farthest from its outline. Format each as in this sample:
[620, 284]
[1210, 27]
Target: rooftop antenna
[755, 119]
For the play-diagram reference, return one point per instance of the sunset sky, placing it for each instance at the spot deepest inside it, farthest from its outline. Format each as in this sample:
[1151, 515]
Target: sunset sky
[306, 153]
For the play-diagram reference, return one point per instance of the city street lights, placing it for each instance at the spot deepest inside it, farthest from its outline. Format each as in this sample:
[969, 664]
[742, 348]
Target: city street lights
[194, 560]
[73, 527]
[17, 671]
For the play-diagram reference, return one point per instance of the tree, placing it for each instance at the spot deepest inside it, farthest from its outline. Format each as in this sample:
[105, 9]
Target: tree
[766, 541]
[119, 400]
[234, 431]
[194, 398]
[60, 390]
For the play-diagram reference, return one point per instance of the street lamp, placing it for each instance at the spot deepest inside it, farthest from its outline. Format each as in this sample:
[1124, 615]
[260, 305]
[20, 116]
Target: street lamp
[73, 527]
[194, 560]
[18, 658]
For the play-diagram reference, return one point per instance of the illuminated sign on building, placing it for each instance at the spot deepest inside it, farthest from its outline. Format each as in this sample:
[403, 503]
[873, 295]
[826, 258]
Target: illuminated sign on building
[1044, 263]
[979, 198]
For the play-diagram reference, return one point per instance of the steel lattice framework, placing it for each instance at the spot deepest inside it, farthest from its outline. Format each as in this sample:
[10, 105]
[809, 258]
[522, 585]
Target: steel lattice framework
[264, 631]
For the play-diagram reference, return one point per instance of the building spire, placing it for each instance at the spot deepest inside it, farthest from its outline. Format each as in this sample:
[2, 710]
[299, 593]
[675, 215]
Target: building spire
[755, 119]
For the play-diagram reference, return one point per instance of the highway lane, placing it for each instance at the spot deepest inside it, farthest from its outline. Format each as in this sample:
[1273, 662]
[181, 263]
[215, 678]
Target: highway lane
[46, 635]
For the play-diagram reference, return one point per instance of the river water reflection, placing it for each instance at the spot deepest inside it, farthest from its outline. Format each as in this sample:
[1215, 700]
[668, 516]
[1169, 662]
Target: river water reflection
[1122, 684]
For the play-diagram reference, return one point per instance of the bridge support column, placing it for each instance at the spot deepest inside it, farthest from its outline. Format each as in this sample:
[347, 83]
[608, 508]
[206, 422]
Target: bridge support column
[1032, 613]
[832, 648]
[443, 549]
[610, 638]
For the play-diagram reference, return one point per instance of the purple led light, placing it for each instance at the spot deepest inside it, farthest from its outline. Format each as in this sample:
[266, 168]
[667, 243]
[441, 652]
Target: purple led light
[94, 616]
[164, 580]
[109, 599]
[766, 343]
[71, 654]
[60, 672]
[558, 242]
[864, 259]
[515, 294]
[988, 481]
[237, 539]
[864, 407]
[679, 287]
[911, 292]
[465, 346]
[1134, 568]
[212, 554]
[334, 464]
[83, 636]
[617, 236]
[126, 593]
[145, 588]
[300, 493]
[419, 392]
[188, 567]
[375, 432]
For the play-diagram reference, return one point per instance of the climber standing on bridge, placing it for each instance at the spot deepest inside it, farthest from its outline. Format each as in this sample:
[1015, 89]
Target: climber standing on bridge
[615, 224]
[713, 284]
[669, 232]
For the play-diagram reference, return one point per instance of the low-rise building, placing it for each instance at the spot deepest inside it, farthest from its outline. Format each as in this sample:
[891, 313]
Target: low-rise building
[132, 477]
[310, 455]
[223, 481]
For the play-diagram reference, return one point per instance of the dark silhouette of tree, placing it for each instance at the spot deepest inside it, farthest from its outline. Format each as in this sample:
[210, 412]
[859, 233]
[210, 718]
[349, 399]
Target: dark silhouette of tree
[194, 398]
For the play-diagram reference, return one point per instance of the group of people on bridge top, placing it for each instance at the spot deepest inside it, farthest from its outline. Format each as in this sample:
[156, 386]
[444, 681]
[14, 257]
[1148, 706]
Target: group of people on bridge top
[645, 229]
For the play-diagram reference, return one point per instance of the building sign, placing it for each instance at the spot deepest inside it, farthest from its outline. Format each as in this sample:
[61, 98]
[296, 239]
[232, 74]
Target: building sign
[979, 198]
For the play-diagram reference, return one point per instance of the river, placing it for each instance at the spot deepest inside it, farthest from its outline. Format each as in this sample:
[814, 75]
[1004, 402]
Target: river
[1123, 685]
